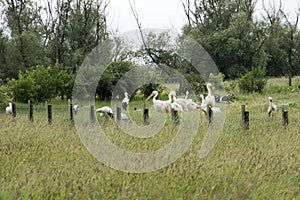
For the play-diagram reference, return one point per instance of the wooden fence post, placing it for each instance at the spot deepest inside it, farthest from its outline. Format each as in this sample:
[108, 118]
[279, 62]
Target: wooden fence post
[209, 115]
[30, 111]
[14, 109]
[285, 117]
[175, 116]
[71, 114]
[245, 118]
[49, 113]
[145, 114]
[118, 115]
[92, 114]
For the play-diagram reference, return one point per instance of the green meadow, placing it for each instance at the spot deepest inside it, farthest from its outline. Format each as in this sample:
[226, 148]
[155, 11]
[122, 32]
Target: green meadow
[49, 161]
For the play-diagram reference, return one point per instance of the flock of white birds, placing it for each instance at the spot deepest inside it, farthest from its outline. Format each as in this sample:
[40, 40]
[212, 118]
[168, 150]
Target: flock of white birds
[164, 106]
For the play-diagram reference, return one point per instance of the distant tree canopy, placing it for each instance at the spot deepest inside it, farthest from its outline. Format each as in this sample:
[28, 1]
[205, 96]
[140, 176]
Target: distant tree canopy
[237, 42]
[60, 34]
[62, 31]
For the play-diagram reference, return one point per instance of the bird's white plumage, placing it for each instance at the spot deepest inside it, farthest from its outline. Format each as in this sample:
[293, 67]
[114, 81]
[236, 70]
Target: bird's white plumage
[9, 108]
[210, 98]
[180, 101]
[125, 101]
[272, 107]
[105, 109]
[159, 105]
[190, 104]
[176, 106]
[76, 109]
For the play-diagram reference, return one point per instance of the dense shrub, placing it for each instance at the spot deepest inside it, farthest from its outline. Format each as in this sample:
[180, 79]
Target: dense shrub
[39, 84]
[253, 81]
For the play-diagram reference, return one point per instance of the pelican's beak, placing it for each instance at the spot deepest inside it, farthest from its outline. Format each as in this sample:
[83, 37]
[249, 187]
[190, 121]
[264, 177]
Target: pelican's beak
[151, 95]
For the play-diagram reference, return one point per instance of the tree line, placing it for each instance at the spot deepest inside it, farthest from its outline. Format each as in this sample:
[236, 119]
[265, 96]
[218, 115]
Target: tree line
[54, 37]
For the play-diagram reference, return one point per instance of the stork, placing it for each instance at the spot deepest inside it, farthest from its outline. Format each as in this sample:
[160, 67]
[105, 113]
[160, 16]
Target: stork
[9, 109]
[272, 107]
[125, 101]
[159, 105]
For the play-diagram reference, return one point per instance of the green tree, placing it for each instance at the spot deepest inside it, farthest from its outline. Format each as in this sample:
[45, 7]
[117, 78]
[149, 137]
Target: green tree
[253, 81]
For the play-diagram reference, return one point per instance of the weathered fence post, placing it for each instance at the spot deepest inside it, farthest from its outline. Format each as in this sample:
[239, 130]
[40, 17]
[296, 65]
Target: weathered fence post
[14, 109]
[145, 113]
[175, 116]
[92, 114]
[49, 113]
[30, 111]
[209, 115]
[71, 115]
[285, 117]
[245, 118]
[118, 115]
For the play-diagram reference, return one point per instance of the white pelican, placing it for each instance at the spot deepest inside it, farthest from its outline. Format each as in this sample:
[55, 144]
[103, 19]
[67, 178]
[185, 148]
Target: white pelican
[105, 110]
[272, 107]
[109, 112]
[125, 101]
[159, 105]
[203, 105]
[180, 101]
[190, 104]
[210, 98]
[9, 108]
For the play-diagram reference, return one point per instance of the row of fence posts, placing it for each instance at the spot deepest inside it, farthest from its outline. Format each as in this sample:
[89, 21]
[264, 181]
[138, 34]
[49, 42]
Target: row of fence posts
[175, 116]
[245, 118]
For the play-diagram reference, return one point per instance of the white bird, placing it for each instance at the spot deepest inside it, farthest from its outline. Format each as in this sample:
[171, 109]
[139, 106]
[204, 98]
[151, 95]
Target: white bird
[124, 116]
[9, 108]
[159, 105]
[180, 101]
[76, 109]
[272, 107]
[210, 98]
[202, 101]
[105, 110]
[190, 104]
[125, 101]
[203, 106]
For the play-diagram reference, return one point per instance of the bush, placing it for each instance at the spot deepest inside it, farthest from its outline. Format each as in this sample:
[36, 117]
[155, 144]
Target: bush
[23, 89]
[39, 84]
[253, 81]
[4, 98]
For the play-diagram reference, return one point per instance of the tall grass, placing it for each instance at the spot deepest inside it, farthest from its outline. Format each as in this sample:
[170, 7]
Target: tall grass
[41, 161]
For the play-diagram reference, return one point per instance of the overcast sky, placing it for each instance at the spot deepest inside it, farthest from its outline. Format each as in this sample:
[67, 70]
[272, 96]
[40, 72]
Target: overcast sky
[160, 13]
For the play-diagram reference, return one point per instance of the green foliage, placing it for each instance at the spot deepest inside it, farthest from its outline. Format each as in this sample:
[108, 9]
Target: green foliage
[111, 77]
[4, 96]
[253, 81]
[23, 89]
[217, 80]
[40, 84]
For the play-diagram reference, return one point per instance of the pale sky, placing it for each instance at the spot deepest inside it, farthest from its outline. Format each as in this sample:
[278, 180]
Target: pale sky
[163, 14]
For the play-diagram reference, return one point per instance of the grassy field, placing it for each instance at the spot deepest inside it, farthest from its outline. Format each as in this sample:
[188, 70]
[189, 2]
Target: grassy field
[41, 161]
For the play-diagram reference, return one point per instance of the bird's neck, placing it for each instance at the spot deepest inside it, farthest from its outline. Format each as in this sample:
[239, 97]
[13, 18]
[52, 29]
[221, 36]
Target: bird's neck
[210, 91]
